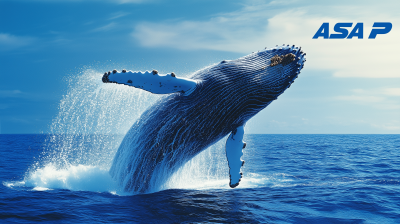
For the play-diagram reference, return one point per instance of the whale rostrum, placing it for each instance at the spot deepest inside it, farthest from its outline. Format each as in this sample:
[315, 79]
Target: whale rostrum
[199, 111]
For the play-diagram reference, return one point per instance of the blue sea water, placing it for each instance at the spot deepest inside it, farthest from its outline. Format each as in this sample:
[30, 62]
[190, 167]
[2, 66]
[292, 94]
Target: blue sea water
[287, 179]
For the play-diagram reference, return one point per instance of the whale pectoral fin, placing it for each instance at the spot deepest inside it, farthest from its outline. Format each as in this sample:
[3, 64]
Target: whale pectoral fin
[151, 81]
[234, 146]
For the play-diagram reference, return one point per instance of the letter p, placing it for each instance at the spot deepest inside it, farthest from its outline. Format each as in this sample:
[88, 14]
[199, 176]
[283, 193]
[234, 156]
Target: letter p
[387, 27]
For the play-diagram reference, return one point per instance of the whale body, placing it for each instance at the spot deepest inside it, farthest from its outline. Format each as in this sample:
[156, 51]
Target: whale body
[197, 112]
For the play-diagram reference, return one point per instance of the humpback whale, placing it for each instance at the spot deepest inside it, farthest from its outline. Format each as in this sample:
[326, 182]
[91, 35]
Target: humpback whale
[198, 111]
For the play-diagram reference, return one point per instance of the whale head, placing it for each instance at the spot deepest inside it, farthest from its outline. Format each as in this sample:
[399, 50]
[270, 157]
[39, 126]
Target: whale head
[255, 80]
[269, 72]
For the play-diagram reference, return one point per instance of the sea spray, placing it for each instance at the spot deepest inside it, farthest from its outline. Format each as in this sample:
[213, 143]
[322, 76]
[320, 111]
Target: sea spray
[91, 122]
[209, 169]
[77, 178]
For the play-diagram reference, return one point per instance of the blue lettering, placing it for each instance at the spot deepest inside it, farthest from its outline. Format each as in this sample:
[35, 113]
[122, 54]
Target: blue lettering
[323, 31]
[358, 27]
[387, 27]
[357, 31]
[338, 29]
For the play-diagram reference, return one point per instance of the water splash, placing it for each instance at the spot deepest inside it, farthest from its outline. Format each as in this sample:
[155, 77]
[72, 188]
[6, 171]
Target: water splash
[209, 169]
[76, 178]
[86, 132]
[92, 120]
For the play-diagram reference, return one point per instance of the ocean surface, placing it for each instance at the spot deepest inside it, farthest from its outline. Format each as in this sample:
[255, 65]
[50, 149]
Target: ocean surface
[286, 179]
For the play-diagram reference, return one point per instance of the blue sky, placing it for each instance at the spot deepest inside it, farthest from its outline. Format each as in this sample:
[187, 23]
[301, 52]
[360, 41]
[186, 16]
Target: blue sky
[347, 86]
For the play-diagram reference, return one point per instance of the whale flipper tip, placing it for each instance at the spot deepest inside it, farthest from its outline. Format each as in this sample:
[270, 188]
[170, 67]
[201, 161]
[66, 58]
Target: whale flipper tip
[233, 185]
[234, 147]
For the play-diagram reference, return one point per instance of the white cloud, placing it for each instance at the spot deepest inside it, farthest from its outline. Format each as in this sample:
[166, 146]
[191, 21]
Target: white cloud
[381, 98]
[4, 94]
[391, 91]
[392, 126]
[10, 93]
[104, 28]
[10, 42]
[379, 91]
[361, 99]
[259, 25]
[117, 15]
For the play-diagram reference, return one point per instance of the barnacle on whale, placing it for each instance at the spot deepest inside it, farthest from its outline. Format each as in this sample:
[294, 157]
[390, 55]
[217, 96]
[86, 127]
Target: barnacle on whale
[284, 60]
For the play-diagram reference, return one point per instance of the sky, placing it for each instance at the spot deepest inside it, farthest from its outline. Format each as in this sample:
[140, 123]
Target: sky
[348, 86]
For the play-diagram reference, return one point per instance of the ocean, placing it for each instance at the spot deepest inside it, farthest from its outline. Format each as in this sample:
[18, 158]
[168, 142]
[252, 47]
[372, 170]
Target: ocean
[286, 179]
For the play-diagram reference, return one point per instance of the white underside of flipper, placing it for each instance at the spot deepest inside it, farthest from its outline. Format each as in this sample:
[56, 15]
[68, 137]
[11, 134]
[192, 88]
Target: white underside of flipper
[152, 81]
[234, 146]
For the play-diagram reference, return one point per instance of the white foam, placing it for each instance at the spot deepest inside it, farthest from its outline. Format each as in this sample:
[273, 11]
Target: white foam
[41, 189]
[249, 180]
[75, 178]
[13, 184]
